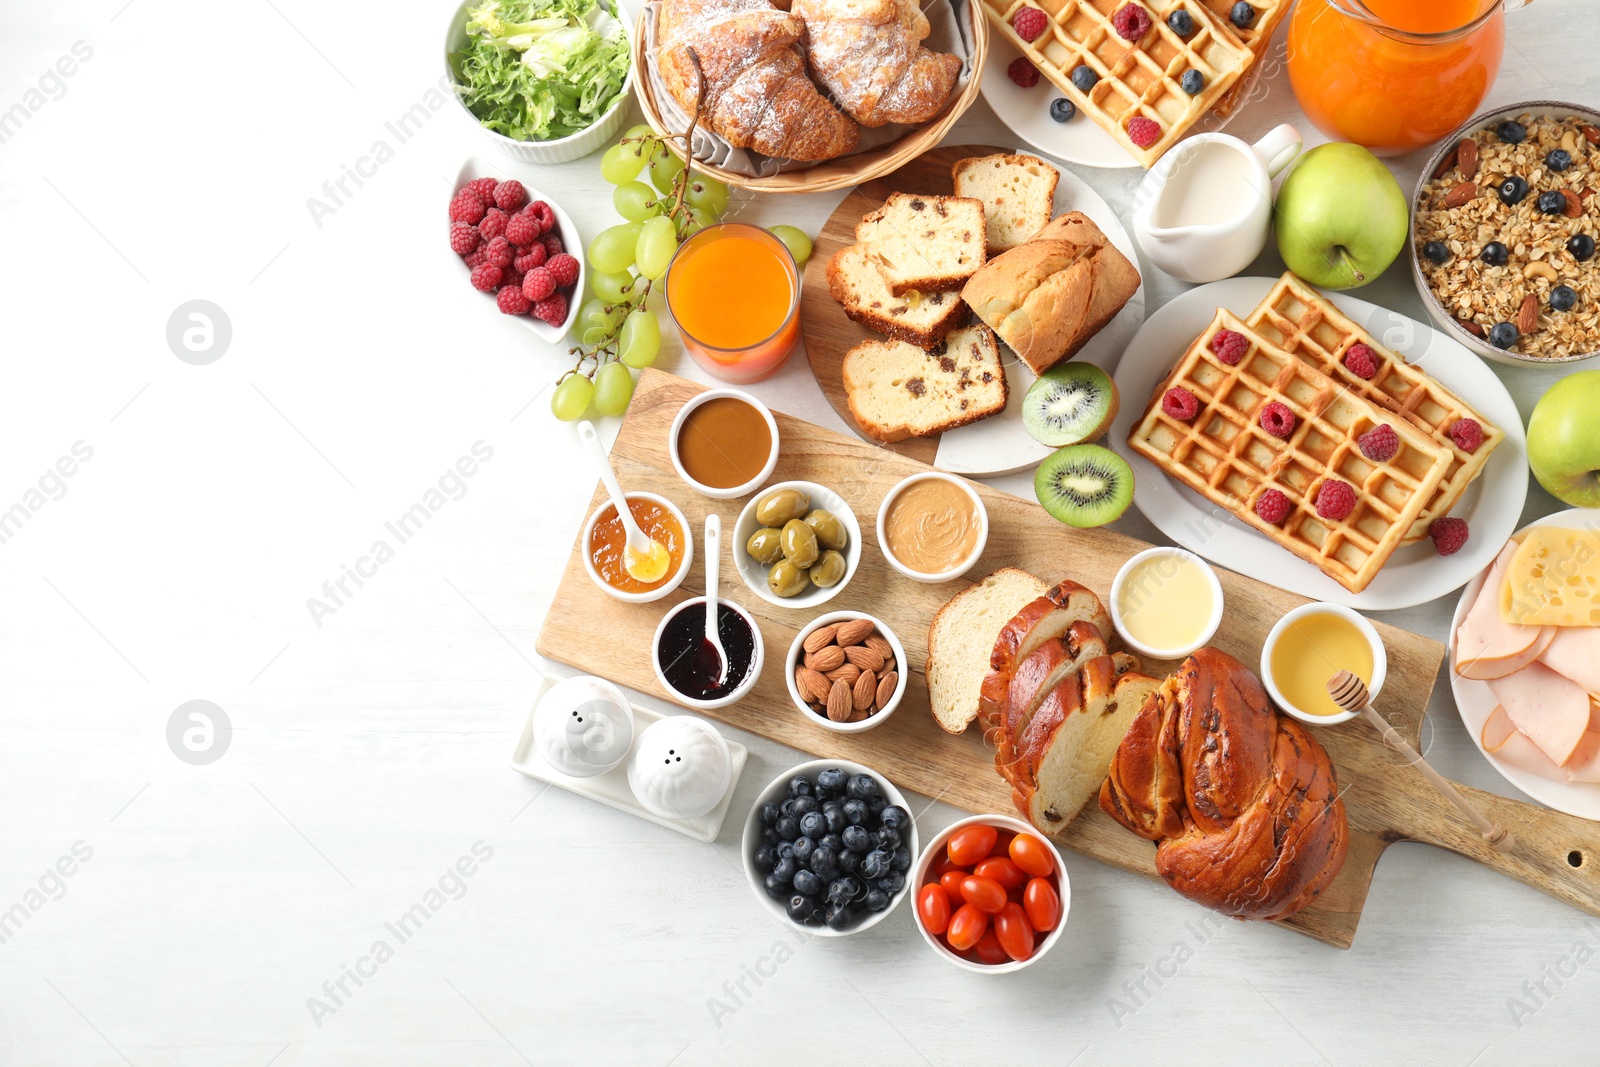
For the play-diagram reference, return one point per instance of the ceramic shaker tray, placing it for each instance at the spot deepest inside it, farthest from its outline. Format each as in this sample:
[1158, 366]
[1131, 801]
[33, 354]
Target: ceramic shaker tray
[1387, 800]
[612, 789]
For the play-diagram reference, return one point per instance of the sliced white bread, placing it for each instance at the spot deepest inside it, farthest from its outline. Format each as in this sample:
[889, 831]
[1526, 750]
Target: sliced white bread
[898, 391]
[1018, 194]
[930, 244]
[921, 319]
[1067, 767]
[962, 637]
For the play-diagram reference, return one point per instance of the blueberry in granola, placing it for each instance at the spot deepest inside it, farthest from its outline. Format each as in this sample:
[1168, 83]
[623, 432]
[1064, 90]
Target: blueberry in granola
[1562, 298]
[1495, 254]
[1504, 335]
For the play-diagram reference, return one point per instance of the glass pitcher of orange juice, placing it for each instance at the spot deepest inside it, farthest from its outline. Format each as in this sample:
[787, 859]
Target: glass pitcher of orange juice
[1394, 74]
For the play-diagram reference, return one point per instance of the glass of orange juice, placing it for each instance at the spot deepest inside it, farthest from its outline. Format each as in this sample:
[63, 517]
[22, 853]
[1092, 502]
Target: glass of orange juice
[734, 292]
[1394, 75]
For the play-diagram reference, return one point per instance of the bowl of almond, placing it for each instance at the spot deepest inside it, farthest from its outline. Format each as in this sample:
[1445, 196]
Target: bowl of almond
[1503, 234]
[846, 672]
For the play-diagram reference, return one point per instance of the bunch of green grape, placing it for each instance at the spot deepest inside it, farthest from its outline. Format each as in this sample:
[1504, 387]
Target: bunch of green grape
[625, 260]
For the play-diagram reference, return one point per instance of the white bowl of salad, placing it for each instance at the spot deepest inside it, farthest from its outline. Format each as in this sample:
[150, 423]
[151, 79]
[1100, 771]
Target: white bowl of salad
[546, 80]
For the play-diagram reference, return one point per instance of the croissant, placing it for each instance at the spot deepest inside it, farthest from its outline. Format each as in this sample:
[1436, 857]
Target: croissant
[757, 93]
[867, 54]
[1241, 801]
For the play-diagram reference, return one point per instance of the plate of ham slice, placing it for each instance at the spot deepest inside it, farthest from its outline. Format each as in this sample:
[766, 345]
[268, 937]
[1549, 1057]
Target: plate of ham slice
[1530, 695]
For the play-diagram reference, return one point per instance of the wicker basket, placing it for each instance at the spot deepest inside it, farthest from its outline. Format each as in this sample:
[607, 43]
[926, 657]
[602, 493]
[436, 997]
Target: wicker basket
[834, 173]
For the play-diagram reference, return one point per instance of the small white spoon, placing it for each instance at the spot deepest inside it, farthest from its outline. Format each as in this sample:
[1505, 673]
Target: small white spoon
[713, 565]
[643, 557]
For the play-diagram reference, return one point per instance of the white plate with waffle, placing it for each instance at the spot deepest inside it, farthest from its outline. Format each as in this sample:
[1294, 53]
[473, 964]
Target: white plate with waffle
[1415, 573]
[1081, 140]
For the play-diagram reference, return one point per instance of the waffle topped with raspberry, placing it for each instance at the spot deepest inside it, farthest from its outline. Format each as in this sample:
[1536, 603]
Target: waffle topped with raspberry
[1301, 321]
[1285, 448]
[1137, 60]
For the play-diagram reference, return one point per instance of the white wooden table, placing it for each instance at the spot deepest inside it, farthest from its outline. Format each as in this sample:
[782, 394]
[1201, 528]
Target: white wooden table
[230, 913]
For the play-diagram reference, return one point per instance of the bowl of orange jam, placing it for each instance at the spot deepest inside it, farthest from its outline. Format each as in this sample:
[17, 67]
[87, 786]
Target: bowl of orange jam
[603, 540]
[1308, 647]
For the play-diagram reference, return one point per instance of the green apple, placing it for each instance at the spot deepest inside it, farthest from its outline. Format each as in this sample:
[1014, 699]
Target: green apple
[1564, 440]
[1341, 217]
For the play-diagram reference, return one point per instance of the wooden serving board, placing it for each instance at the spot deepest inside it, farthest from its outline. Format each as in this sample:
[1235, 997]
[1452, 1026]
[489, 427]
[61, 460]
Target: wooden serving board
[1386, 799]
[829, 331]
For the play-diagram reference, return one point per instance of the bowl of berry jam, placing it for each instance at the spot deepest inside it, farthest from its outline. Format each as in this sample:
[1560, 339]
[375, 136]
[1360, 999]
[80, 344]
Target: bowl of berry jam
[687, 665]
[830, 845]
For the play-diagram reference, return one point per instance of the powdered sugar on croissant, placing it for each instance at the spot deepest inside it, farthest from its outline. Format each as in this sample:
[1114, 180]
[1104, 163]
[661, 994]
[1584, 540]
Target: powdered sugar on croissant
[867, 53]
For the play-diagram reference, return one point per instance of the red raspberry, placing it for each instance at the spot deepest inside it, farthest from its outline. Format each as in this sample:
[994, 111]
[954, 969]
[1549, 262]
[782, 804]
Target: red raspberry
[1229, 346]
[508, 196]
[1180, 404]
[483, 187]
[552, 309]
[1360, 360]
[1277, 420]
[1131, 22]
[521, 230]
[511, 300]
[1379, 443]
[498, 252]
[541, 211]
[510, 276]
[539, 284]
[493, 224]
[463, 238]
[553, 245]
[563, 267]
[466, 207]
[486, 277]
[1335, 500]
[1143, 132]
[1448, 535]
[1273, 507]
[534, 257]
[1029, 22]
[1467, 434]
[475, 260]
[1023, 73]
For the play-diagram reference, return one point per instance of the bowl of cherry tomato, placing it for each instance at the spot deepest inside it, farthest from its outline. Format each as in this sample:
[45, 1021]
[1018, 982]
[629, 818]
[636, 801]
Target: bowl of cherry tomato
[992, 894]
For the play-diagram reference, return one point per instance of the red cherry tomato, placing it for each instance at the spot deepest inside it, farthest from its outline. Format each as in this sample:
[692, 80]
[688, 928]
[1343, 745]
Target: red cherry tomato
[970, 844]
[1013, 932]
[989, 950]
[1032, 855]
[933, 908]
[941, 863]
[1002, 870]
[985, 894]
[967, 927]
[1042, 905]
[1002, 842]
[950, 881]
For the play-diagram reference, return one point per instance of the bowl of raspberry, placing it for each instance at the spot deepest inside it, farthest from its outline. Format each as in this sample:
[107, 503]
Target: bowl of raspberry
[518, 248]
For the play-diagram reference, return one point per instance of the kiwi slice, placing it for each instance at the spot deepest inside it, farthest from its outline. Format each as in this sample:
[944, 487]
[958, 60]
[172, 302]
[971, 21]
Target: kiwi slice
[1084, 485]
[1070, 402]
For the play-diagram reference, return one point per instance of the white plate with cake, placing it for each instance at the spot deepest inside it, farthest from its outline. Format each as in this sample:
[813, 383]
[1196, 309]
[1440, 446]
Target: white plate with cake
[1401, 564]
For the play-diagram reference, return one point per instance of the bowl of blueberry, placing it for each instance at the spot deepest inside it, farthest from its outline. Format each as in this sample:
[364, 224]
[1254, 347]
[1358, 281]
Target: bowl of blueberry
[829, 846]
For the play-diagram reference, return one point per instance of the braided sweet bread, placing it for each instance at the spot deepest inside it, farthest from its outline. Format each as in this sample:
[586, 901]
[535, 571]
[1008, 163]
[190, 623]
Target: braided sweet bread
[1241, 801]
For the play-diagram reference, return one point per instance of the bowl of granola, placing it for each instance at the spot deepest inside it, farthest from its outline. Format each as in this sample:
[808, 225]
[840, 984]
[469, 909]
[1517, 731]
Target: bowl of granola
[1504, 226]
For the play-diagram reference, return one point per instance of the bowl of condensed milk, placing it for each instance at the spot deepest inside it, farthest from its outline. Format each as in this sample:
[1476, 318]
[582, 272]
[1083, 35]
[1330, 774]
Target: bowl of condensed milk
[932, 527]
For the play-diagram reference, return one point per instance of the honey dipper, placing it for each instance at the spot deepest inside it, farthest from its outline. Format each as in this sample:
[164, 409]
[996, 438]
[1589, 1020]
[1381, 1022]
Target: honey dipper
[1350, 693]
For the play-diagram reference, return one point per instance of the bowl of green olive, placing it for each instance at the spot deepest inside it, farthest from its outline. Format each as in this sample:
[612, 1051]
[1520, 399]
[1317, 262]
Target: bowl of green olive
[797, 544]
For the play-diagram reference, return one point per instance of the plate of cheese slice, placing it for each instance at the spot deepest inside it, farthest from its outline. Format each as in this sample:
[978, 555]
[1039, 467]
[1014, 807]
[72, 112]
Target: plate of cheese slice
[1525, 661]
[1312, 441]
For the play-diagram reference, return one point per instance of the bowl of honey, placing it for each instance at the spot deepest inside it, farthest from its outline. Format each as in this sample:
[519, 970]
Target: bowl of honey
[604, 538]
[734, 292]
[1308, 647]
[724, 443]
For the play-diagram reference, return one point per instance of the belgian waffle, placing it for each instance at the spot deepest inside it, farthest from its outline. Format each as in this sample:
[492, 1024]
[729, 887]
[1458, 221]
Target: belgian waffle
[1137, 78]
[1224, 454]
[1257, 37]
[1299, 320]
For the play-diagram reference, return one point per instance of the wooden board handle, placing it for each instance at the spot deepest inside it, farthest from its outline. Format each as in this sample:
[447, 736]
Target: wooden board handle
[1552, 851]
